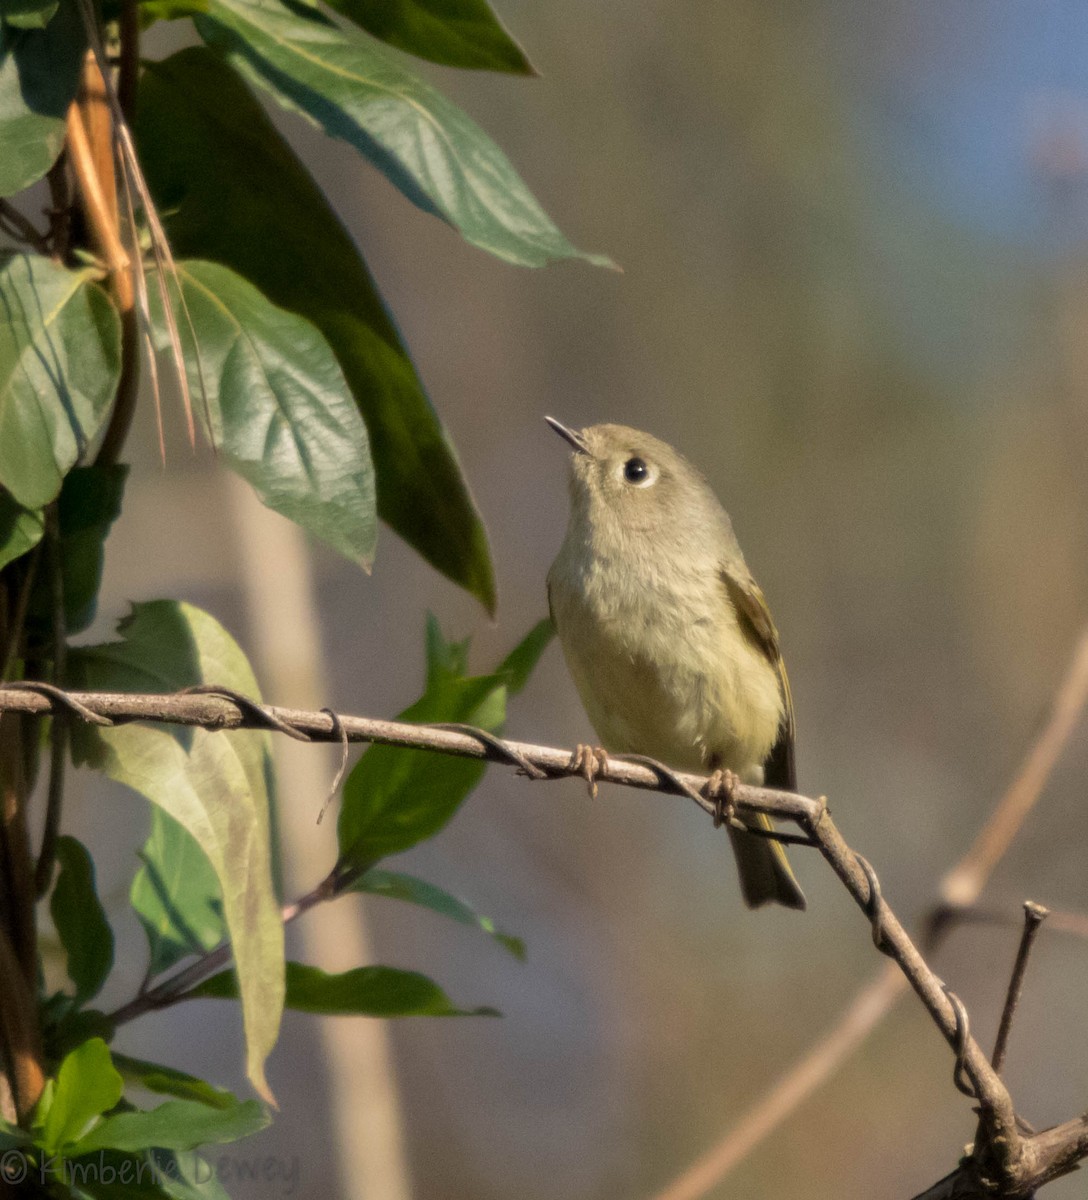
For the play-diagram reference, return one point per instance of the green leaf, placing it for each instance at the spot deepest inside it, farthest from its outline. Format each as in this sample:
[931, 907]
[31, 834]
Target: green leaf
[21, 529]
[418, 891]
[87, 1085]
[39, 73]
[28, 14]
[175, 1125]
[11, 1136]
[168, 1081]
[90, 502]
[60, 359]
[444, 659]
[395, 797]
[230, 187]
[520, 663]
[457, 33]
[279, 407]
[215, 784]
[362, 992]
[169, 10]
[81, 920]
[176, 895]
[348, 86]
[147, 1175]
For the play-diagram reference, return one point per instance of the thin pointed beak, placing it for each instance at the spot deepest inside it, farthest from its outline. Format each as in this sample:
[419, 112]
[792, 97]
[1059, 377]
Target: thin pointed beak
[568, 435]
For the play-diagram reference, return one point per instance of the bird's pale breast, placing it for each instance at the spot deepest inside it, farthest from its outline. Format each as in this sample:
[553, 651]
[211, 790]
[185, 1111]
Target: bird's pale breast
[661, 665]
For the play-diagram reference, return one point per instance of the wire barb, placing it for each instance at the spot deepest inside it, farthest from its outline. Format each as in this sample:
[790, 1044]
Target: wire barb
[503, 749]
[62, 698]
[963, 1034]
[263, 716]
[334, 787]
[874, 908]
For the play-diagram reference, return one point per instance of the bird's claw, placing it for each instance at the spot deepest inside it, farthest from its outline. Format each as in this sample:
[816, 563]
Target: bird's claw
[719, 789]
[589, 762]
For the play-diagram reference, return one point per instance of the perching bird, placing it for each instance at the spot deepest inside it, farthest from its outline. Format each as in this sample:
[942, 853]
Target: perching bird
[667, 636]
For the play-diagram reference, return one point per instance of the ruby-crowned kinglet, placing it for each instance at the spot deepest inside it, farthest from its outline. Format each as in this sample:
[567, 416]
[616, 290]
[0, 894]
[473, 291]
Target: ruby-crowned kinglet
[667, 635]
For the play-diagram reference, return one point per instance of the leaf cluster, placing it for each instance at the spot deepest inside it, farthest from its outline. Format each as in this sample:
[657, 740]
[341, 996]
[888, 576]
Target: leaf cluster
[208, 240]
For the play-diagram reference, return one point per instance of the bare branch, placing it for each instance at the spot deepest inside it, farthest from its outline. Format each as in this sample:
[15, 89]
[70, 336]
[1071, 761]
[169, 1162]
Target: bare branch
[960, 889]
[1004, 1162]
[1034, 916]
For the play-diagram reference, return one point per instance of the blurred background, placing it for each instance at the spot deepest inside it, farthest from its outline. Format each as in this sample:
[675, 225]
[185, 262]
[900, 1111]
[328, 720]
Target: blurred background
[854, 242]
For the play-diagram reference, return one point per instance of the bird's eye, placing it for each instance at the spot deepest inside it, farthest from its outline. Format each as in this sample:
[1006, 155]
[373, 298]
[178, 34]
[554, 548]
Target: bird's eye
[635, 470]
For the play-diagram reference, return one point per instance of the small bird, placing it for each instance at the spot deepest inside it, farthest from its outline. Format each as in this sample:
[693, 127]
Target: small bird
[666, 634]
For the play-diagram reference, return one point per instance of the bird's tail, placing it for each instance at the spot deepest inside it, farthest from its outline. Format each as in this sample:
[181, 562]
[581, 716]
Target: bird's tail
[765, 875]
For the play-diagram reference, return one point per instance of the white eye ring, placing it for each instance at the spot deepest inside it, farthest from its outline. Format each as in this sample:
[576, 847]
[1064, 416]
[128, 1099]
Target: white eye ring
[637, 472]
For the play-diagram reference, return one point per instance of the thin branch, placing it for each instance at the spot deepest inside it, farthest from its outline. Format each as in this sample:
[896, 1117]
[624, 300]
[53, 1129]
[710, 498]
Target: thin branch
[1004, 1162]
[177, 986]
[1034, 916]
[964, 883]
[165, 266]
[226, 710]
[58, 751]
[875, 999]
[14, 632]
[102, 221]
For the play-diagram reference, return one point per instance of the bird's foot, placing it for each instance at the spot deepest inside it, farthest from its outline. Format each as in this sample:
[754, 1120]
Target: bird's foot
[719, 789]
[589, 762]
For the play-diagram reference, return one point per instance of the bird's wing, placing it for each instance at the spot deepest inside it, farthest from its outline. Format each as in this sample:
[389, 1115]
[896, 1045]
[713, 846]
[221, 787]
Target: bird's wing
[779, 771]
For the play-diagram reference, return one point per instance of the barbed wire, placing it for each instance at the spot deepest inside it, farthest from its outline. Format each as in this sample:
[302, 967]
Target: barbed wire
[1005, 1161]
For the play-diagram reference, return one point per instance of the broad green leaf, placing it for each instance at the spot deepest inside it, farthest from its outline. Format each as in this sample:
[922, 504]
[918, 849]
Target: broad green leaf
[28, 14]
[154, 1174]
[81, 920]
[69, 1027]
[520, 663]
[395, 797]
[90, 501]
[86, 1086]
[39, 72]
[176, 895]
[457, 33]
[215, 784]
[418, 891]
[175, 1125]
[11, 1136]
[355, 90]
[444, 659]
[279, 408]
[21, 529]
[363, 992]
[60, 359]
[185, 1175]
[229, 187]
[169, 10]
[168, 1081]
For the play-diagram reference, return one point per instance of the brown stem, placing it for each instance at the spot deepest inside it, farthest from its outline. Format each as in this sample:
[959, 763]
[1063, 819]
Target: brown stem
[60, 210]
[91, 144]
[128, 67]
[877, 997]
[58, 755]
[1034, 916]
[16, 876]
[13, 633]
[177, 986]
[20, 1044]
